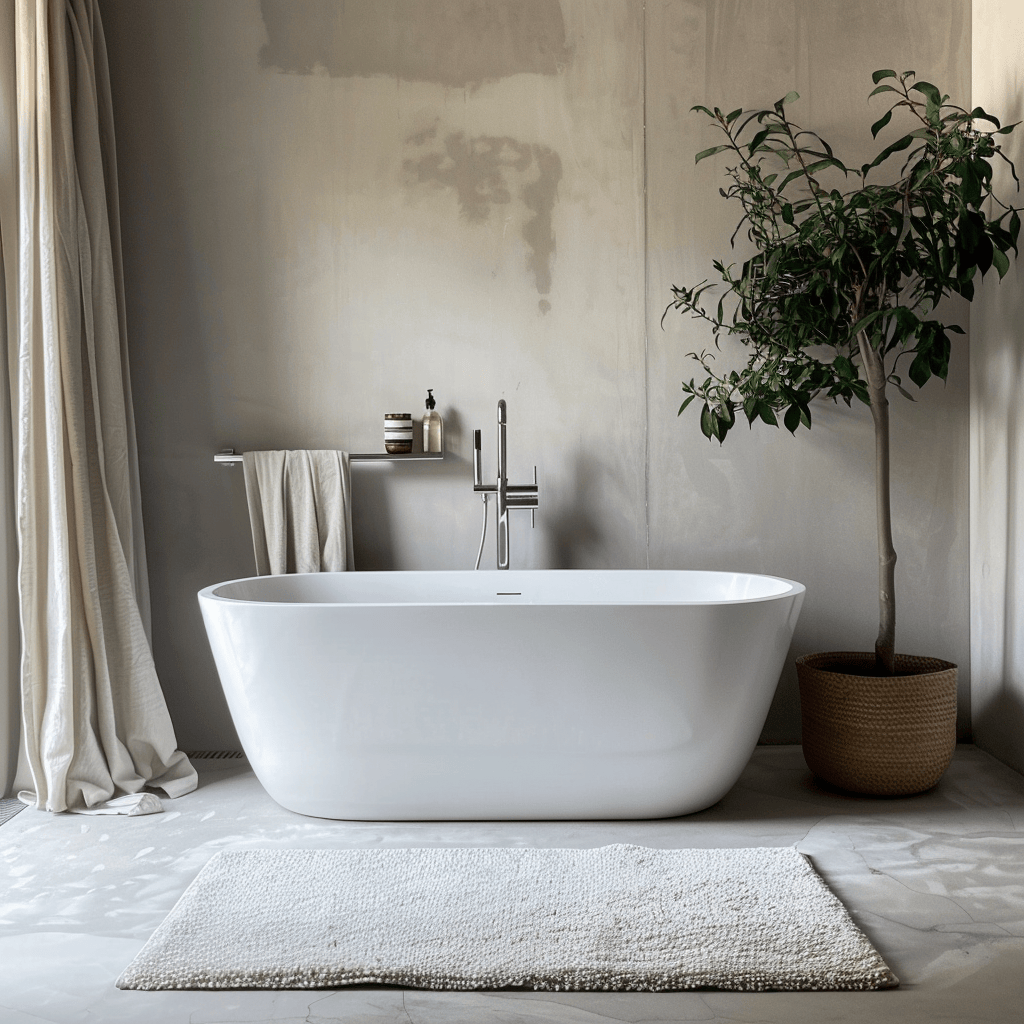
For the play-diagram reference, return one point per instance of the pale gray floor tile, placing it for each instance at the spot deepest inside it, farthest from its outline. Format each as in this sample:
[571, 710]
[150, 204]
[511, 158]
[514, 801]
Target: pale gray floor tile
[936, 882]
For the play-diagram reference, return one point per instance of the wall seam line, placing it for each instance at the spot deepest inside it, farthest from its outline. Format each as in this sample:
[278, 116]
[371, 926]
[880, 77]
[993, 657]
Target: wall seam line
[646, 295]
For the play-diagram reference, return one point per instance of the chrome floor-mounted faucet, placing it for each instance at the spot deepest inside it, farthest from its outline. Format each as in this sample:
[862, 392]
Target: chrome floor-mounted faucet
[509, 496]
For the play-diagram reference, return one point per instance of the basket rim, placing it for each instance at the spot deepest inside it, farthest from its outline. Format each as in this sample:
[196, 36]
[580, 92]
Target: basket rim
[931, 666]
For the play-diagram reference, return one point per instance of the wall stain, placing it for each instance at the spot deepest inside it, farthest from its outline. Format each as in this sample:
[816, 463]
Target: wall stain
[483, 171]
[539, 197]
[455, 43]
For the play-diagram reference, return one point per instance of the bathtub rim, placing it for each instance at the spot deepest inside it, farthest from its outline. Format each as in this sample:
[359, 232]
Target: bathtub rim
[792, 589]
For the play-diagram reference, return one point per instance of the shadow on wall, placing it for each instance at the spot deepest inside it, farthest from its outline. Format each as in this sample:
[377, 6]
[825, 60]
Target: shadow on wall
[453, 430]
[454, 43]
[10, 716]
[1004, 712]
[997, 585]
[372, 522]
[573, 533]
[190, 543]
[1008, 706]
[374, 526]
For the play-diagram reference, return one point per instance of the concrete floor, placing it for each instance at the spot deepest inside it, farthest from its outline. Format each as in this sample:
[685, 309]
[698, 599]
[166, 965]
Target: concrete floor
[936, 882]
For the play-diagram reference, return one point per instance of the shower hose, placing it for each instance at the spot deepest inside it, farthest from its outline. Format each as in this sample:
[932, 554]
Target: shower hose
[483, 532]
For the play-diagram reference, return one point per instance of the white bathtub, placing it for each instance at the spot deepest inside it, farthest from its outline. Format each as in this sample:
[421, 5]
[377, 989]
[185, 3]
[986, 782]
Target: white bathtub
[500, 695]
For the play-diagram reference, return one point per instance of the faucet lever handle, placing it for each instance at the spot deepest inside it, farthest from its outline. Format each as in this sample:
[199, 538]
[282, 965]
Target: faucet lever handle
[533, 510]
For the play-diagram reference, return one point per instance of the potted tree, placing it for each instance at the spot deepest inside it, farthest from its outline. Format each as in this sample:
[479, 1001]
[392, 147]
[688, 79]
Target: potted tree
[838, 300]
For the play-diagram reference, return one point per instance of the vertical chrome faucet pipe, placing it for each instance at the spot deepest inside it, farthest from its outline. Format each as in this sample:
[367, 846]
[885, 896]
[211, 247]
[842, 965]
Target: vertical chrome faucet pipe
[509, 496]
[502, 502]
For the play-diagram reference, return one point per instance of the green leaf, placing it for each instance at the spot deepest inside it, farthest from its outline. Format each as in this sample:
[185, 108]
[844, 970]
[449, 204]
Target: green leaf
[904, 392]
[1000, 262]
[898, 145]
[708, 152]
[719, 425]
[758, 139]
[984, 253]
[787, 213]
[877, 76]
[980, 114]
[792, 418]
[939, 355]
[685, 404]
[767, 415]
[867, 321]
[707, 422]
[790, 177]
[971, 184]
[729, 118]
[881, 123]
[930, 93]
[844, 367]
[882, 88]
[920, 369]
[790, 97]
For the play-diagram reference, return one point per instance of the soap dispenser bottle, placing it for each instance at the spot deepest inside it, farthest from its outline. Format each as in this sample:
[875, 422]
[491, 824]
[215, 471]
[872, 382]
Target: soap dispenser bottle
[433, 429]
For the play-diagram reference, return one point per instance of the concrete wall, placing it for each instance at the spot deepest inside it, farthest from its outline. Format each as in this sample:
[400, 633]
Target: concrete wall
[997, 427]
[329, 207]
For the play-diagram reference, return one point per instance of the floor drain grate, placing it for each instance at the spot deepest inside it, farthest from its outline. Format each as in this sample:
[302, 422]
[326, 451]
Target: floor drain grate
[214, 755]
[9, 808]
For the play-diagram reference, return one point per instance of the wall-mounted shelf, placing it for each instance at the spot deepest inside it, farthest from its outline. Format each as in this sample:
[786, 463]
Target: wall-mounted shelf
[229, 456]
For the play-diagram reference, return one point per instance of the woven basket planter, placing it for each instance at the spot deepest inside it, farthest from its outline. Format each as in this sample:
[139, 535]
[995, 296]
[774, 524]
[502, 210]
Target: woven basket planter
[877, 735]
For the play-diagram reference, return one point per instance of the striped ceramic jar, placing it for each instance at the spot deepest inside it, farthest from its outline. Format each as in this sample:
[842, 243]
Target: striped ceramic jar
[398, 433]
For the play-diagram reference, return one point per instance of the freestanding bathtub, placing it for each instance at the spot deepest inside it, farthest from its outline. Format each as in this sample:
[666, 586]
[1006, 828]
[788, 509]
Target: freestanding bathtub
[397, 696]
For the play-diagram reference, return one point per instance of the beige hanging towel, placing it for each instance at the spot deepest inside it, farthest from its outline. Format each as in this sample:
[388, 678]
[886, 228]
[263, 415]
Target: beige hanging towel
[300, 508]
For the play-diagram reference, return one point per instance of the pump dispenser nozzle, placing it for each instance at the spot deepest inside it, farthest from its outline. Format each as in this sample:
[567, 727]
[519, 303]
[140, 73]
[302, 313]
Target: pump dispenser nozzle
[433, 439]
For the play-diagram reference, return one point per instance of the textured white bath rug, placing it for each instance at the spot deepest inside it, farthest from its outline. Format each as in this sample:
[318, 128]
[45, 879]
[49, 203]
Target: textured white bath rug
[617, 917]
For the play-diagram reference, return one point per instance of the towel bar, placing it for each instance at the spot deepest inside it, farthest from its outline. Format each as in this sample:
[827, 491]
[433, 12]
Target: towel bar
[228, 456]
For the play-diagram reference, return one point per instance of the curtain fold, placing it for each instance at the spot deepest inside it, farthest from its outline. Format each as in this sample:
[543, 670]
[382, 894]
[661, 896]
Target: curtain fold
[95, 722]
[10, 642]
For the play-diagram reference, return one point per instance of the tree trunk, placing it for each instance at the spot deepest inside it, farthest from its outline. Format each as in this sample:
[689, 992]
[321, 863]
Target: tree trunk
[885, 645]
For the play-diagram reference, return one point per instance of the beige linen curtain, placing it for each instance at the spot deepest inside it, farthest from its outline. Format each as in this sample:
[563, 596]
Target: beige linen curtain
[95, 723]
[10, 645]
